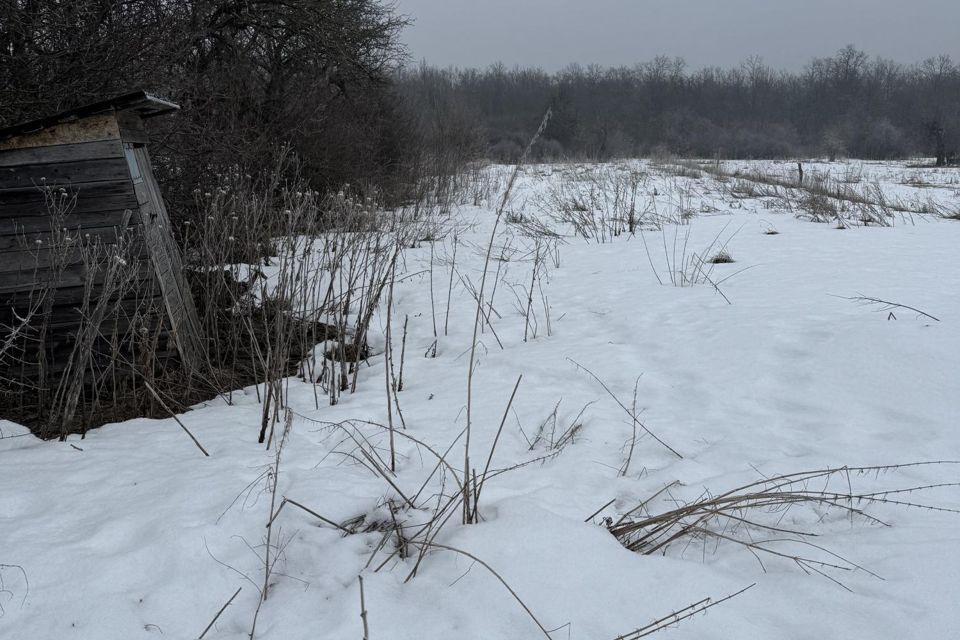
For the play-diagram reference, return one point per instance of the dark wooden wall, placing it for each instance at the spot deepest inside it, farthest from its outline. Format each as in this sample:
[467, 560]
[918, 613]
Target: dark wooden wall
[81, 169]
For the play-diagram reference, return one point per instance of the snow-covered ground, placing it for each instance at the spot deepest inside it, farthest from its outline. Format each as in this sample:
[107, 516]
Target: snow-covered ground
[132, 533]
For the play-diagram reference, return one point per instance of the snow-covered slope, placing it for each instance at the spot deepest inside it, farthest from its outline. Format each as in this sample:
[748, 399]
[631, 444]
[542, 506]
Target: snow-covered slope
[132, 533]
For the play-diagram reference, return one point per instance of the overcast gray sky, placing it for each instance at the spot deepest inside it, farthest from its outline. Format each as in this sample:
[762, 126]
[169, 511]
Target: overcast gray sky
[786, 33]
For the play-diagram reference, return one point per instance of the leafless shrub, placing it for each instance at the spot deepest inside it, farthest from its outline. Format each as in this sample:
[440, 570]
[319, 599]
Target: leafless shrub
[470, 489]
[744, 189]
[410, 518]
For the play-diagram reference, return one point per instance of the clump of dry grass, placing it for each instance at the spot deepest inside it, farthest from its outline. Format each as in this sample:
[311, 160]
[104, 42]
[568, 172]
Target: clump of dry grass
[752, 516]
[686, 268]
[768, 229]
[411, 517]
[723, 257]
[820, 208]
[951, 213]
[679, 170]
[598, 203]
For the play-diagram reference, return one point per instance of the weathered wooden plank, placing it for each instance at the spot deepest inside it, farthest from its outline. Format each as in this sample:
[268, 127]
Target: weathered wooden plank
[121, 313]
[165, 256]
[28, 261]
[27, 225]
[144, 287]
[90, 129]
[62, 153]
[58, 363]
[72, 276]
[108, 234]
[66, 174]
[72, 296]
[144, 197]
[57, 355]
[90, 197]
[37, 207]
[59, 341]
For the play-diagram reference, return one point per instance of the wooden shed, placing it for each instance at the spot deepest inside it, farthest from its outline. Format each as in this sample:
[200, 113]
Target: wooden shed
[94, 158]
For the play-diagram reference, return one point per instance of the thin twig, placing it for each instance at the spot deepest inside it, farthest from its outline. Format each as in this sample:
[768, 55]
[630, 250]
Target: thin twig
[622, 406]
[363, 611]
[887, 305]
[222, 609]
[678, 616]
[513, 593]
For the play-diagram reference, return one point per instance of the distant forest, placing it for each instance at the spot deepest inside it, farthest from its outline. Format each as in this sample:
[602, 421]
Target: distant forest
[326, 90]
[848, 104]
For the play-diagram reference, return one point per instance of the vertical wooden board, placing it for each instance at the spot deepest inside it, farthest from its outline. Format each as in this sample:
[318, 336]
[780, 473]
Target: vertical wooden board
[144, 197]
[167, 264]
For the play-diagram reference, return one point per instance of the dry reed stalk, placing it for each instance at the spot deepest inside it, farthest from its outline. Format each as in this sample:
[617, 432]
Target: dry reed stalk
[363, 611]
[679, 616]
[734, 516]
[219, 613]
[467, 510]
[632, 415]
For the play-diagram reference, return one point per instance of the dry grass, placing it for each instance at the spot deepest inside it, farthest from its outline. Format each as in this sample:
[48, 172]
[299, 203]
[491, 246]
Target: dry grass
[820, 197]
[753, 516]
[598, 203]
[722, 257]
[329, 259]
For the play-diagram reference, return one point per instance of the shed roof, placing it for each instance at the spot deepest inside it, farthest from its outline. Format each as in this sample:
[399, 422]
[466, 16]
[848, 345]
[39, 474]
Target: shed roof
[140, 102]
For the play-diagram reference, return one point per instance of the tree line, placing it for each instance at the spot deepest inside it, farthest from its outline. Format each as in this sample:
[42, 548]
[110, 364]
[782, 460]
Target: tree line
[328, 83]
[847, 104]
[256, 79]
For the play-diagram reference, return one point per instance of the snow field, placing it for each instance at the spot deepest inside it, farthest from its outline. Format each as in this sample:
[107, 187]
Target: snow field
[132, 533]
